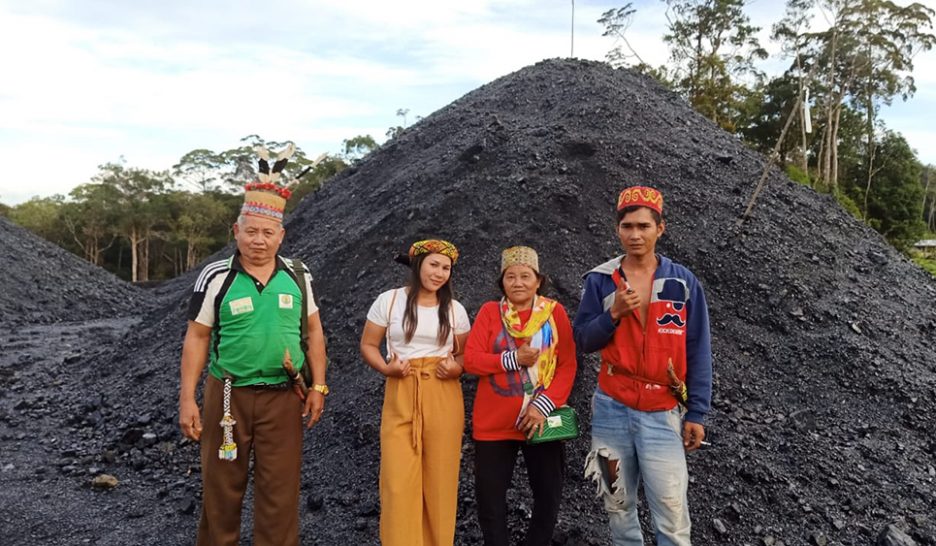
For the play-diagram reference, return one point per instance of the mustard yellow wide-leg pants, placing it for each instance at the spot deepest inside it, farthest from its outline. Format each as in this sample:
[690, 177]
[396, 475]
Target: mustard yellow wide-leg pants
[420, 452]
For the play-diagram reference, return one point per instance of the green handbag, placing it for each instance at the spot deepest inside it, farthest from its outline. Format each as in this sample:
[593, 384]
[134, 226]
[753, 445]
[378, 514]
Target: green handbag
[561, 424]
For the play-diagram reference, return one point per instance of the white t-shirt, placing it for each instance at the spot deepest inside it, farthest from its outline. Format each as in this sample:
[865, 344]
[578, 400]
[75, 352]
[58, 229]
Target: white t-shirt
[425, 340]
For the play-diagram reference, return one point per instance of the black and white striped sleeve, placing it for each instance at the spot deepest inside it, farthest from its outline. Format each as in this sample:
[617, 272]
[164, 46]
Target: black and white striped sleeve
[201, 305]
[543, 404]
[509, 361]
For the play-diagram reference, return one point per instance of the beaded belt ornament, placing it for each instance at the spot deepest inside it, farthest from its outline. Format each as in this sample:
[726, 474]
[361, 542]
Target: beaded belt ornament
[228, 449]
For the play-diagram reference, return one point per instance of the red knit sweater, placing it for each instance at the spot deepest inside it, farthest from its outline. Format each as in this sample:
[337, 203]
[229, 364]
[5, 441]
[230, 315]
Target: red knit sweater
[500, 393]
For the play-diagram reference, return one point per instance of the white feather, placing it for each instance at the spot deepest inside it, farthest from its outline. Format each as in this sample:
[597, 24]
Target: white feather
[287, 152]
[263, 152]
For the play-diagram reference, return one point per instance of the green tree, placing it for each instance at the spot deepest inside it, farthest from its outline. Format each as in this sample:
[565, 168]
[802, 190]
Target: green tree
[616, 23]
[895, 200]
[90, 217]
[42, 216]
[865, 57]
[326, 166]
[889, 37]
[929, 197]
[395, 131]
[141, 207]
[790, 32]
[198, 221]
[201, 169]
[712, 51]
[771, 104]
[229, 170]
[357, 147]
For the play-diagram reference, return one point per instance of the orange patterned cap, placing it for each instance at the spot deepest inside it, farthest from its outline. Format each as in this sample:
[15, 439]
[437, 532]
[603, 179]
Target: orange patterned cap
[641, 196]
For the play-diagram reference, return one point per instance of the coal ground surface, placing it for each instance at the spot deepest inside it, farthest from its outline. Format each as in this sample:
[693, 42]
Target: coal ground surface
[823, 336]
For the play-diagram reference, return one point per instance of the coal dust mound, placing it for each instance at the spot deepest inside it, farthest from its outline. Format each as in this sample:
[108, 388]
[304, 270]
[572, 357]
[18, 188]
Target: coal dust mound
[823, 335]
[41, 283]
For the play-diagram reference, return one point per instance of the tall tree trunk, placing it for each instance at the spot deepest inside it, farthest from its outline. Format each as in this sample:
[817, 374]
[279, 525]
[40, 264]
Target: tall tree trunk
[820, 158]
[926, 179]
[827, 175]
[871, 157]
[869, 107]
[695, 70]
[144, 258]
[804, 159]
[94, 251]
[932, 215]
[189, 255]
[134, 254]
[802, 115]
[834, 142]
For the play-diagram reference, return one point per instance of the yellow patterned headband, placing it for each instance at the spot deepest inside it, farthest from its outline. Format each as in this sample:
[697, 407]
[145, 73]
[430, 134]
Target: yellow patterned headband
[434, 246]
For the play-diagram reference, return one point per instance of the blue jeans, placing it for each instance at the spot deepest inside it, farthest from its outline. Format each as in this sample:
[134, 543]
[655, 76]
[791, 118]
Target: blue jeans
[648, 446]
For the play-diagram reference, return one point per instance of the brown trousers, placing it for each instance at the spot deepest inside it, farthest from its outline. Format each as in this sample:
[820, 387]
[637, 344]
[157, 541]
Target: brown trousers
[420, 451]
[269, 423]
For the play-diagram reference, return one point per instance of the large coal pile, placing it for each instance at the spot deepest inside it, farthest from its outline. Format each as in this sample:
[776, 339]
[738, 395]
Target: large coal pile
[42, 283]
[823, 335]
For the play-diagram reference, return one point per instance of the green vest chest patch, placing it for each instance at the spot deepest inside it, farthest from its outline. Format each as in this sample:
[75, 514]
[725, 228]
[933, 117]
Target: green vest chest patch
[255, 328]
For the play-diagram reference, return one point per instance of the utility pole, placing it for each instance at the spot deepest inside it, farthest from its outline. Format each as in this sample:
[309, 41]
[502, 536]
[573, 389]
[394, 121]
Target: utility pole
[572, 48]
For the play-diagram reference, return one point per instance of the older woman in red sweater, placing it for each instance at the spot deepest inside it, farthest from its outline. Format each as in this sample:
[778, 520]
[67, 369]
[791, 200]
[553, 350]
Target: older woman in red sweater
[522, 350]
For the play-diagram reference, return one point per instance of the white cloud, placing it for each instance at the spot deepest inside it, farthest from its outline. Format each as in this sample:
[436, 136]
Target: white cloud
[102, 78]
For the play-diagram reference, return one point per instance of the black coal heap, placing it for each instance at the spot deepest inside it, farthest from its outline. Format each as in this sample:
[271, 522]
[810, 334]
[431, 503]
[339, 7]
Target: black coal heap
[41, 283]
[823, 335]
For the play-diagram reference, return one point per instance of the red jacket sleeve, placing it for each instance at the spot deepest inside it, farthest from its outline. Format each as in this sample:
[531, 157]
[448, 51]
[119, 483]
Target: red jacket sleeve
[561, 385]
[479, 360]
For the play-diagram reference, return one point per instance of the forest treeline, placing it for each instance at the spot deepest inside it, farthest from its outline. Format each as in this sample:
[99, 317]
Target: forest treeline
[145, 225]
[819, 120]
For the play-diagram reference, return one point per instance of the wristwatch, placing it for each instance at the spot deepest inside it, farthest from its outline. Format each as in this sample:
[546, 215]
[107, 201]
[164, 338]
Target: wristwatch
[321, 388]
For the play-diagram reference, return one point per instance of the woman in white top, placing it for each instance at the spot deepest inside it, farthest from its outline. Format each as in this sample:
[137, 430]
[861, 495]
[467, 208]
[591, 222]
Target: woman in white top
[423, 414]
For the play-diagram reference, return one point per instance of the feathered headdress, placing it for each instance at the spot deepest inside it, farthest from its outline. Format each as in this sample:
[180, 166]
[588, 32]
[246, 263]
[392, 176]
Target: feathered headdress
[266, 197]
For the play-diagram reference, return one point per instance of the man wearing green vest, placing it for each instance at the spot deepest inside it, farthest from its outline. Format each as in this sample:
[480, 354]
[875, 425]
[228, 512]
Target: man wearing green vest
[245, 316]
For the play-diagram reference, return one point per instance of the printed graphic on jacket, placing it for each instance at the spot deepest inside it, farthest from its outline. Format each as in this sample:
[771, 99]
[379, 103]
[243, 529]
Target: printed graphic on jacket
[671, 315]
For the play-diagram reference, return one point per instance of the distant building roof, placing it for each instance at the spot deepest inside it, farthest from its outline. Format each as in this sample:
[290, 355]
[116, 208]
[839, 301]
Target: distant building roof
[926, 243]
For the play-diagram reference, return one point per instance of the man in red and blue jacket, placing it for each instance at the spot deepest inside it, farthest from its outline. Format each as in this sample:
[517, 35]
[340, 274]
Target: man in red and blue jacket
[647, 316]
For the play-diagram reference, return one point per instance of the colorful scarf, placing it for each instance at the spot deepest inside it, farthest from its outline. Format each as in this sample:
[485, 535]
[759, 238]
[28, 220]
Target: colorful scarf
[541, 333]
[434, 246]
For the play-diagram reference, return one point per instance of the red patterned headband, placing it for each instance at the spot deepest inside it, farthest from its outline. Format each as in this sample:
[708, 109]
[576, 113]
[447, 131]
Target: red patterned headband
[641, 196]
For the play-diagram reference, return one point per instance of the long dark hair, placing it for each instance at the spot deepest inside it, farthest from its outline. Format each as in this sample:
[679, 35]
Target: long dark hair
[444, 294]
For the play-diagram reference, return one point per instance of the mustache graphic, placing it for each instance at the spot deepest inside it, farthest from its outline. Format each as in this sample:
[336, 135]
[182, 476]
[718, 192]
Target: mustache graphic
[666, 319]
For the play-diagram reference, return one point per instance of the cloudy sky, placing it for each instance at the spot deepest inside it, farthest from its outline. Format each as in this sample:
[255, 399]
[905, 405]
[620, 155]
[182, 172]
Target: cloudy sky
[86, 82]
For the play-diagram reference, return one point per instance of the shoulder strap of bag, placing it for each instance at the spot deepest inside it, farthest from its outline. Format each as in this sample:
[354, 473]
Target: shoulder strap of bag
[389, 316]
[390, 313]
[454, 330]
[299, 271]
